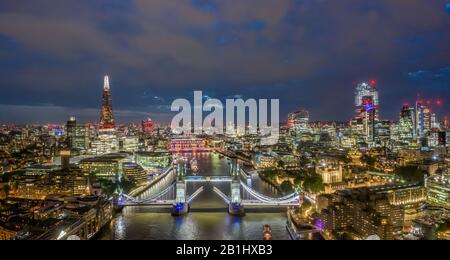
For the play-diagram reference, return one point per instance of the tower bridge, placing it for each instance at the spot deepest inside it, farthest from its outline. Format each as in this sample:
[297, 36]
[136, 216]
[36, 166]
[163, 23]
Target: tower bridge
[241, 195]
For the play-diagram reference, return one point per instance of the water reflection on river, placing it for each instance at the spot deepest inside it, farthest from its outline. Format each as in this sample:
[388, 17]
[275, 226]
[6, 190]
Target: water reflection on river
[208, 219]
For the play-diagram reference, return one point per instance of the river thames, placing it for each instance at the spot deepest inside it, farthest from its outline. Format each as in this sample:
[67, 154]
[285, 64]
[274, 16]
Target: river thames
[208, 219]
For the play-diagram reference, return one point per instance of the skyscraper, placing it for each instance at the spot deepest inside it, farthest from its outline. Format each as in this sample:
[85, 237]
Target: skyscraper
[107, 118]
[78, 136]
[367, 110]
[70, 129]
[407, 123]
[107, 140]
[423, 118]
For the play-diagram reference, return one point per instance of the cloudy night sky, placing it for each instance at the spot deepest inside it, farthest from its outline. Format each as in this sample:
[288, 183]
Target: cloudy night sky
[307, 53]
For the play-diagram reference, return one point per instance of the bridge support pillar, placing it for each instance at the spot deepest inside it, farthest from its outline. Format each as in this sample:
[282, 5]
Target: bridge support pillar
[118, 203]
[181, 206]
[180, 209]
[236, 209]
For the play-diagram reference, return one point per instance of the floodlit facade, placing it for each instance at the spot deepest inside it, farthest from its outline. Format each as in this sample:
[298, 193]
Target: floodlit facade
[364, 211]
[105, 167]
[129, 143]
[330, 172]
[153, 160]
[438, 189]
[135, 173]
[106, 142]
[188, 145]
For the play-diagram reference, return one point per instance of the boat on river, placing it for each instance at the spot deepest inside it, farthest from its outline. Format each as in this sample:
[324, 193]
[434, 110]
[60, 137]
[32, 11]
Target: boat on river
[267, 232]
[194, 165]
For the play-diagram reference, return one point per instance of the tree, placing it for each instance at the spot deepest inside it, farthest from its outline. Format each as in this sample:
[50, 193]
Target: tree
[345, 158]
[6, 189]
[368, 160]
[281, 164]
[9, 175]
[299, 180]
[108, 186]
[300, 177]
[286, 187]
[127, 185]
[410, 174]
[270, 174]
[443, 227]
[342, 235]
[313, 183]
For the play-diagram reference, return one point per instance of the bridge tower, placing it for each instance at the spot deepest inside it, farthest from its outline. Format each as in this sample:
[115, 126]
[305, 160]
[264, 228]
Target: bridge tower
[235, 207]
[180, 206]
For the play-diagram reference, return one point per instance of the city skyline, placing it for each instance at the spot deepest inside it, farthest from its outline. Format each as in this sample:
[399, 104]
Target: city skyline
[157, 52]
[106, 111]
[239, 121]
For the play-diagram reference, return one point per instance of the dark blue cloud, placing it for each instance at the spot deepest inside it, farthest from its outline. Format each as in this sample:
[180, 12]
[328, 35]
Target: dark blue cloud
[206, 5]
[307, 53]
[256, 25]
[426, 75]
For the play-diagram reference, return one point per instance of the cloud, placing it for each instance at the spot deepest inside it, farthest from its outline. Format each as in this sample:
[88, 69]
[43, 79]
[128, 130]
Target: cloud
[438, 74]
[23, 114]
[58, 50]
[176, 41]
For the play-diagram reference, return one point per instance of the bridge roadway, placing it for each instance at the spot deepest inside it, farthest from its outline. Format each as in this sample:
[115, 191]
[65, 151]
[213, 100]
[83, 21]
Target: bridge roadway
[249, 209]
[208, 178]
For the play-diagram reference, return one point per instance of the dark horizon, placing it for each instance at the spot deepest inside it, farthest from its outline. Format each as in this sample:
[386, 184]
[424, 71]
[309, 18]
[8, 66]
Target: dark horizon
[309, 54]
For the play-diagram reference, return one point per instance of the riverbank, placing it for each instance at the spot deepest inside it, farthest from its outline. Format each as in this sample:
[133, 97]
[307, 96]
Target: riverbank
[267, 180]
[299, 229]
[234, 155]
[272, 183]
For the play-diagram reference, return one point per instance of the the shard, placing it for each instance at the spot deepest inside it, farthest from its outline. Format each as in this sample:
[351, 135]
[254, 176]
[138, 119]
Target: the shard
[107, 119]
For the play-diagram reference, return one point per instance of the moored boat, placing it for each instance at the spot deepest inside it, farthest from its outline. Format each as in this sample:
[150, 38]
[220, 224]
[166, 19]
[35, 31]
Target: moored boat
[194, 165]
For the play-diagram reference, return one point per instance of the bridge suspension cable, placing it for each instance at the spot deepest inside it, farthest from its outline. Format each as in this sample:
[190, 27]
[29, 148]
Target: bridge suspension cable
[155, 199]
[291, 198]
[160, 194]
